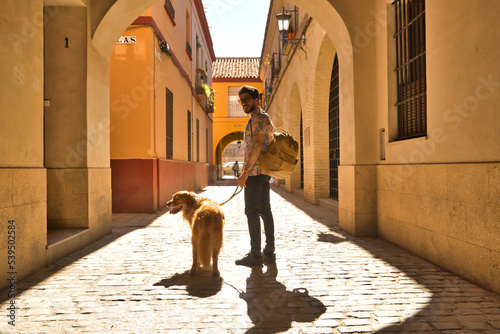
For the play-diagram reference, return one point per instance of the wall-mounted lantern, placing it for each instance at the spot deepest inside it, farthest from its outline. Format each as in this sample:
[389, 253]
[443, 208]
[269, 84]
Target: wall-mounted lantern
[284, 27]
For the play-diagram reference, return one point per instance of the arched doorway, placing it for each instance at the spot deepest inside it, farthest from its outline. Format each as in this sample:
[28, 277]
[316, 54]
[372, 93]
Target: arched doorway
[221, 147]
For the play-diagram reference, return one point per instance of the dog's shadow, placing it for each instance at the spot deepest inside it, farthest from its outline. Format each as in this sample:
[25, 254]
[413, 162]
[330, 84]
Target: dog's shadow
[202, 285]
[272, 307]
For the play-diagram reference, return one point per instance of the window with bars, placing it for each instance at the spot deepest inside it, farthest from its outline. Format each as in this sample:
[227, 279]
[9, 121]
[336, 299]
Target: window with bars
[234, 107]
[301, 152]
[189, 50]
[170, 9]
[334, 130]
[197, 140]
[411, 68]
[170, 123]
[189, 134]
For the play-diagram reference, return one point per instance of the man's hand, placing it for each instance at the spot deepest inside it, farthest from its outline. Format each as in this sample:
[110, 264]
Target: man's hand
[242, 180]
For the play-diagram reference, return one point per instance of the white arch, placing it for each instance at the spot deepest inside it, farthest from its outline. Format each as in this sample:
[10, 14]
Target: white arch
[327, 15]
[319, 118]
[115, 21]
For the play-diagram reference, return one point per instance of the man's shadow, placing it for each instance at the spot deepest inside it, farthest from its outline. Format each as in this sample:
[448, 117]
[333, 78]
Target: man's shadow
[202, 285]
[272, 308]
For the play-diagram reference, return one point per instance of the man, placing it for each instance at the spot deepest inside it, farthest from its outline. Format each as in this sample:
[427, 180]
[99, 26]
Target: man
[257, 137]
[236, 168]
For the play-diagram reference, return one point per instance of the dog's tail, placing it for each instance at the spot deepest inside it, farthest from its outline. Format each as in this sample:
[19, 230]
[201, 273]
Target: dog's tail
[205, 249]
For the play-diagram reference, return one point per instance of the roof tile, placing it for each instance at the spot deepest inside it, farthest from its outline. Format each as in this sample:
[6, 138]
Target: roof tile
[236, 68]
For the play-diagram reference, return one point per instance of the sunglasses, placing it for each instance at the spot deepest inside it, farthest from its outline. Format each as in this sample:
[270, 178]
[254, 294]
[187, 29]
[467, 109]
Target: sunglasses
[245, 100]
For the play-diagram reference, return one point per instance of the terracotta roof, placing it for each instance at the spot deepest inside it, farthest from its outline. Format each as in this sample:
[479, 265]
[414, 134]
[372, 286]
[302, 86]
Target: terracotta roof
[236, 68]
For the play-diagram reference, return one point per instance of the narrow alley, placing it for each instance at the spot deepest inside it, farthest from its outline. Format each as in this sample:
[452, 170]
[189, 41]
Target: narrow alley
[135, 280]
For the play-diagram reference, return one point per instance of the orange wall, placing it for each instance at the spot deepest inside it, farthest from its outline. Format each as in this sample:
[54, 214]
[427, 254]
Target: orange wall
[131, 97]
[140, 74]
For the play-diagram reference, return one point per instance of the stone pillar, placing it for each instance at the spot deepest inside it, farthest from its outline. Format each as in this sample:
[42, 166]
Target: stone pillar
[76, 126]
[22, 175]
[358, 200]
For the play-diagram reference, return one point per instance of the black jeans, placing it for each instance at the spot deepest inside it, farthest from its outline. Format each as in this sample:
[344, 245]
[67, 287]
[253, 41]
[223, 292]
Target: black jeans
[258, 204]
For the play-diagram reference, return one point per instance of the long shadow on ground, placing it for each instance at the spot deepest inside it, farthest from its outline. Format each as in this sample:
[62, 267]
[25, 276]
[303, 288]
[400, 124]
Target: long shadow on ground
[451, 297]
[202, 285]
[119, 230]
[272, 307]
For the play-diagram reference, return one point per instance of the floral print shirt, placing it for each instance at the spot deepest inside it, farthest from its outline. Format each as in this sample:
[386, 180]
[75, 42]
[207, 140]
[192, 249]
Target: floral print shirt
[260, 122]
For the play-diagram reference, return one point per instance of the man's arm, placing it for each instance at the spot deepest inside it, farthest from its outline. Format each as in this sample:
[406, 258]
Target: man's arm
[255, 150]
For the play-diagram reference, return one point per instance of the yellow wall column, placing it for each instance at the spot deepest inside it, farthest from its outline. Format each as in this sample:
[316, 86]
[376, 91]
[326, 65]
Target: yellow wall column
[22, 174]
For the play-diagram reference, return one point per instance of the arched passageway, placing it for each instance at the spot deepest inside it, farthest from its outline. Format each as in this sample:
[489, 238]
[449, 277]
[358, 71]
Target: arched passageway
[221, 146]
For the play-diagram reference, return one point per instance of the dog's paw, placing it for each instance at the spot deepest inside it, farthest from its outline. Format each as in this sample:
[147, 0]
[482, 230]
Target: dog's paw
[192, 272]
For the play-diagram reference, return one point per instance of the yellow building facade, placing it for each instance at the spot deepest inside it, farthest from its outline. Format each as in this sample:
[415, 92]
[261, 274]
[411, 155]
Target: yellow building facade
[229, 74]
[161, 126]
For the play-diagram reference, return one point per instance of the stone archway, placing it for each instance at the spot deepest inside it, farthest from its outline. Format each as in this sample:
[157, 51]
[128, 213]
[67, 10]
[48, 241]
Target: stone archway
[357, 169]
[221, 146]
[331, 15]
[116, 17]
[318, 122]
[339, 22]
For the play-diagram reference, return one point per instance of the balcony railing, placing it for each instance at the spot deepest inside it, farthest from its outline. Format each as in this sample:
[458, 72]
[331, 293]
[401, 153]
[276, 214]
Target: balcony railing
[236, 110]
[201, 77]
[170, 8]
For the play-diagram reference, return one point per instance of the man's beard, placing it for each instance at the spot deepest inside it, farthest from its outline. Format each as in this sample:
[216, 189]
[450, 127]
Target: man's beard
[249, 110]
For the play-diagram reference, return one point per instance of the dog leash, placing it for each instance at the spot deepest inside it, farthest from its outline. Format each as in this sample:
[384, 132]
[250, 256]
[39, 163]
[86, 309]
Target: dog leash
[236, 192]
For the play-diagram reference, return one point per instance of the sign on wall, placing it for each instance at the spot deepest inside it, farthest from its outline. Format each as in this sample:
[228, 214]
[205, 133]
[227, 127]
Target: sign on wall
[127, 40]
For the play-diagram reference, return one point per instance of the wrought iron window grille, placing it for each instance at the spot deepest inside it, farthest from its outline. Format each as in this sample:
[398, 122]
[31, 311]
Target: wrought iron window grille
[411, 68]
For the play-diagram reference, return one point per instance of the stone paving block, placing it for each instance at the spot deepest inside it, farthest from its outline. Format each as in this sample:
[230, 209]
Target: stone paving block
[387, 314]
[388, 320]
[417, 327]
[475, 325]
[356, 329]
[345, 284]
[359, 315]
[446, 325]
[356, 322]
[326, 323]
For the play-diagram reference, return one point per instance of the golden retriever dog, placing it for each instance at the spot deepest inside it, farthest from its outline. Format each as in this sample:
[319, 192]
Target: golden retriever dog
[206, 220]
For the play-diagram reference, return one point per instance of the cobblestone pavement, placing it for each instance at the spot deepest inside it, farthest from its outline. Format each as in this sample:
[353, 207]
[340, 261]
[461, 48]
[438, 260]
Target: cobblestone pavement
[325, 281]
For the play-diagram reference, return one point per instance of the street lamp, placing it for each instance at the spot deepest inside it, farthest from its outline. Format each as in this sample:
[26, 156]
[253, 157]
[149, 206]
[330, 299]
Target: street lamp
[238, 143]
[283, 25]
[283, 20]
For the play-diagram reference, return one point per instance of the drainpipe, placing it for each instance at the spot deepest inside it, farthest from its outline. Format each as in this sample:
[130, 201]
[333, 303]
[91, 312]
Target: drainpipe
[154, 136]
[191, 134]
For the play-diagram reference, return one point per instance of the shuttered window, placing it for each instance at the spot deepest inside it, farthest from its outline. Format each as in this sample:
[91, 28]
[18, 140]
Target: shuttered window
[411, 68]
[170, 123]
[197, 140]
[189, 134]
